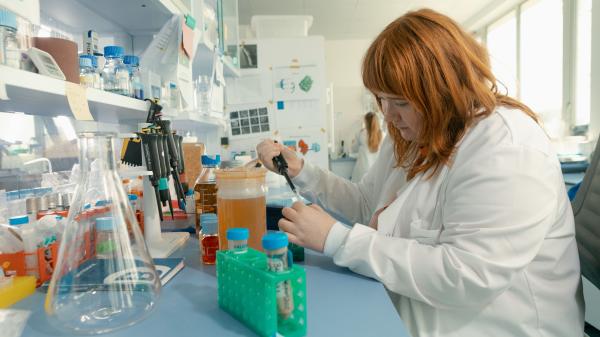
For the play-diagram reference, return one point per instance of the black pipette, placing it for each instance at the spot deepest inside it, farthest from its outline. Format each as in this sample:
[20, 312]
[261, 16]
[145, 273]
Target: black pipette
[282, 167]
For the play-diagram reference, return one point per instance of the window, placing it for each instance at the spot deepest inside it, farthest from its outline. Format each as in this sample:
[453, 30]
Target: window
[502, 47]
[541, 61]
[583, 62]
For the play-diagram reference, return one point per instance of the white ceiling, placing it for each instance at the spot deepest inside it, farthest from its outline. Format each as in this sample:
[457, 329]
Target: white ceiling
[359, 19]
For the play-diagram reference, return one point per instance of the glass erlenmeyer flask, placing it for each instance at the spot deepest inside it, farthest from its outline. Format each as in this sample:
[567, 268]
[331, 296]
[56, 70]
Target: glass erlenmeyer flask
[104, 277]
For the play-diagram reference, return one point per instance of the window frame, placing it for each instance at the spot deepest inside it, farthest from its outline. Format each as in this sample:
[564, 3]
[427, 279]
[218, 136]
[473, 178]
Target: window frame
[570, 11]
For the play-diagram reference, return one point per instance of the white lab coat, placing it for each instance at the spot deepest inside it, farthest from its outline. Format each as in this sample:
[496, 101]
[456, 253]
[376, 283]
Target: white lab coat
[365, 157]
[485, 248]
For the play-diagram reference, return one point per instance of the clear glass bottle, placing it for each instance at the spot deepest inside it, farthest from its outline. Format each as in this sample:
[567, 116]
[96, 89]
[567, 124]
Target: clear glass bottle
[115, 73]
[102, 292]
[98, 82]
[205, 187]
[87, 75]
[202, 92]
[209, 238]
[10, 54]
[241, 201]
[137, 88]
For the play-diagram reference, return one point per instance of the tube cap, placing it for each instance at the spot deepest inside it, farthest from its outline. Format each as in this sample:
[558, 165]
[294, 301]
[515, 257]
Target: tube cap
[104, 224]
[274, 240]
[114, 51]
[209, 223]
[101, 203]
[237, 234]
[18, 220]
[132, 197]
[85, 60]
[131, 60]
[8, 19]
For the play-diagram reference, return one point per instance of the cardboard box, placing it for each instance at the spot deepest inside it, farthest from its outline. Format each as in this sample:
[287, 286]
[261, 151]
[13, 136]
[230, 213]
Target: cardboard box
[192, 154]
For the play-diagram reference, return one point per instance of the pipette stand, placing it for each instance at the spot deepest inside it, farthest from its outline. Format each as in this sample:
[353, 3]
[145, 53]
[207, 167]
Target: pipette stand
[159, 244]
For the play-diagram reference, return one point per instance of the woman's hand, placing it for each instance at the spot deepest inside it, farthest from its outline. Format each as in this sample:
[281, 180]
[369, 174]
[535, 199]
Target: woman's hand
[268, 149]
[307, 226]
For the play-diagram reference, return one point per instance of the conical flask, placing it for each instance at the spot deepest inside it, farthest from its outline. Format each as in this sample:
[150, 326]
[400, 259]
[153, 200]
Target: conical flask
[104, 278]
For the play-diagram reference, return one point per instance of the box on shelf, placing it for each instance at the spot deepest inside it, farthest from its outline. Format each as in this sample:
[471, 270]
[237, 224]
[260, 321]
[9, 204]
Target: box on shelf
[275, 26]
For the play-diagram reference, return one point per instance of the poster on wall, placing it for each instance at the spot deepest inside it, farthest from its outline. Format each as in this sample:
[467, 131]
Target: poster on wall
[310, 145]
[295, 83]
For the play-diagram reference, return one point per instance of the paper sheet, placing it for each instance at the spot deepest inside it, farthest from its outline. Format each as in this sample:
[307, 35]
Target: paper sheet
[188, 40]
[3, 95]
[76, 96]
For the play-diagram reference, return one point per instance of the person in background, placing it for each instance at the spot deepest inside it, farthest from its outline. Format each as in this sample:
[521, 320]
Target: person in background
[366, 143]
[464, 216]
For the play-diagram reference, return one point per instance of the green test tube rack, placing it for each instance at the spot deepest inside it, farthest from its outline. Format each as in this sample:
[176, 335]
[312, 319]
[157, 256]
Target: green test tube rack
[248, 292]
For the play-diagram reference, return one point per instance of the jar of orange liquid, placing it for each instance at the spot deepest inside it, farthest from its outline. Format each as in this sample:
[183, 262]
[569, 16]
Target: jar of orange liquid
[241, 202]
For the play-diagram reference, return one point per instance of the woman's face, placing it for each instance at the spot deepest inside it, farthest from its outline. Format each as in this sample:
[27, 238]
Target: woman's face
[401, 115]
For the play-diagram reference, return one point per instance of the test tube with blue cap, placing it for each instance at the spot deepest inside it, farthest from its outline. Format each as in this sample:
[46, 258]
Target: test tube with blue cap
[237, 240]
[280, 260]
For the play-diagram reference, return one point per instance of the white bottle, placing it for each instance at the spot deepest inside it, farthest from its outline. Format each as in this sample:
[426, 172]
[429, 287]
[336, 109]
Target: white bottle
[30, 239]
[9, 243]
[115, 74]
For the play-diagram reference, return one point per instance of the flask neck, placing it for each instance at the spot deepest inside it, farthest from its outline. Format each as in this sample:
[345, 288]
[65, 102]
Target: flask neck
[96, 149]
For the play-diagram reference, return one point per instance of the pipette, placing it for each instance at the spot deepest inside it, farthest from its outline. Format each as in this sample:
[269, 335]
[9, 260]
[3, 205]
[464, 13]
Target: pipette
[282, 166]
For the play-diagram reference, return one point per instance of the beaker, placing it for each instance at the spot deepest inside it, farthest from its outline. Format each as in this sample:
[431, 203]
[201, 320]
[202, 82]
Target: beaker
[241, 202]
[100, 291]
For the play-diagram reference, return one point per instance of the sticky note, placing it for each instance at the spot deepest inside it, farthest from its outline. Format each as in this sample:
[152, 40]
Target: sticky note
[280, 105]
[188, 40]
[77, 99]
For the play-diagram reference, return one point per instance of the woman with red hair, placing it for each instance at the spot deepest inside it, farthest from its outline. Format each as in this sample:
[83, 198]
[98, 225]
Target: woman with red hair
[464, 216]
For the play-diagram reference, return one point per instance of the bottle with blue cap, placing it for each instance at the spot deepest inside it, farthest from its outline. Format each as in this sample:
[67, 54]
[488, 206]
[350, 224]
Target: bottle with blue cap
[280, 260]
[10, 54]
[205, 187]
[237, 240]
[209, 238]
[115, 73]
[87, 75]
[105, 241]
[133, 64]
[99, 83]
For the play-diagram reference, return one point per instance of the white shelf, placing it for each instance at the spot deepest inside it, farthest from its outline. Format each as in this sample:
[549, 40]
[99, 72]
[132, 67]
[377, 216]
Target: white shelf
[134, 17]
[35, 94]
[186, 120]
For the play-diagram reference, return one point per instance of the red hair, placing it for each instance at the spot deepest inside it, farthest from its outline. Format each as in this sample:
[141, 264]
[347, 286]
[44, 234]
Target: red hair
[444, 73]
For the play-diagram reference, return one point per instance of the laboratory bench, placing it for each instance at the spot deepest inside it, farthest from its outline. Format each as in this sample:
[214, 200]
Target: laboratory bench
[339, 303]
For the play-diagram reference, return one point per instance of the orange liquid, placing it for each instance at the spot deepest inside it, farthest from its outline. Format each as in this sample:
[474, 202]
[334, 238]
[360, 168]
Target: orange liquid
[249, 213]
[206, 200]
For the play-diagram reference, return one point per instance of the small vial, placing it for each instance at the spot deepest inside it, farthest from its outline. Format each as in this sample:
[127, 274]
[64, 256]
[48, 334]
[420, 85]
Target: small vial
[237, 240]
[105, 241]
[209, 238]
[10, 54]
[279, 260]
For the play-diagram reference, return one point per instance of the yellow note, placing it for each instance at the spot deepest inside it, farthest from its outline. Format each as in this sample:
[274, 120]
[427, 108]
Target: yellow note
[78, 103]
